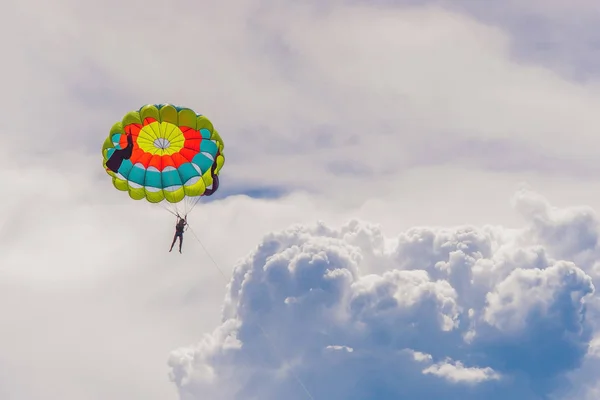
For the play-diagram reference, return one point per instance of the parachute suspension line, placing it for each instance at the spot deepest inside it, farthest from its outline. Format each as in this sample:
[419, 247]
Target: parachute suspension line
[257, 322]
[194, 202]
[207, 192]
[166, 208]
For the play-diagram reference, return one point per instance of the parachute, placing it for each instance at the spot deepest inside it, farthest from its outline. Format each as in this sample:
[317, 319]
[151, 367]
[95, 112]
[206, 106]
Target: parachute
[166, 154]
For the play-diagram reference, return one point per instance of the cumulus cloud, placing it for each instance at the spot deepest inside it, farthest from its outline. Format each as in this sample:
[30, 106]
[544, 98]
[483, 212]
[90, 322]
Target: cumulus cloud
[459, 373]
[465, 311]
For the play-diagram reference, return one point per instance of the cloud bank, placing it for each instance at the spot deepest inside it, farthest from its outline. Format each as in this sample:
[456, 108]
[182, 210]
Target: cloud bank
[455, 313]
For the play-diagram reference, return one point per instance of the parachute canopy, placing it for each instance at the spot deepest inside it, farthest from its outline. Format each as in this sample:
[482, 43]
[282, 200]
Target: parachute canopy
[164, 154]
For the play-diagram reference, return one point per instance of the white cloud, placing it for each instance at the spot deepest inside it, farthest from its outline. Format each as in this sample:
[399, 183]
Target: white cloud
[413, 99]
[533, 293]
[517, 332]
[458, 373]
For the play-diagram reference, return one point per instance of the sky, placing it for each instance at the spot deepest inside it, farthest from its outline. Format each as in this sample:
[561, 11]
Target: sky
[408, 205]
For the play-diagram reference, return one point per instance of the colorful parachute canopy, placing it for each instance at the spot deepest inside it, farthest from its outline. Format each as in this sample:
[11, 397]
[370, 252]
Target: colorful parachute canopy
[164, 152]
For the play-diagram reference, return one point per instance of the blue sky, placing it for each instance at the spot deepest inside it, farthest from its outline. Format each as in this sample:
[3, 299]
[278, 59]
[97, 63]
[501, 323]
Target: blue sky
[407, 209]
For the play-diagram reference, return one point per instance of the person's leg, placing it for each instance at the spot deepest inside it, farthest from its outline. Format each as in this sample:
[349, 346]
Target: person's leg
[174, 239]
[180, 241]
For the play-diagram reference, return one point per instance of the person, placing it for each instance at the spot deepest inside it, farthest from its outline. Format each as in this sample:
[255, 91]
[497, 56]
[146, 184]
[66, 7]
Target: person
[181, 223]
